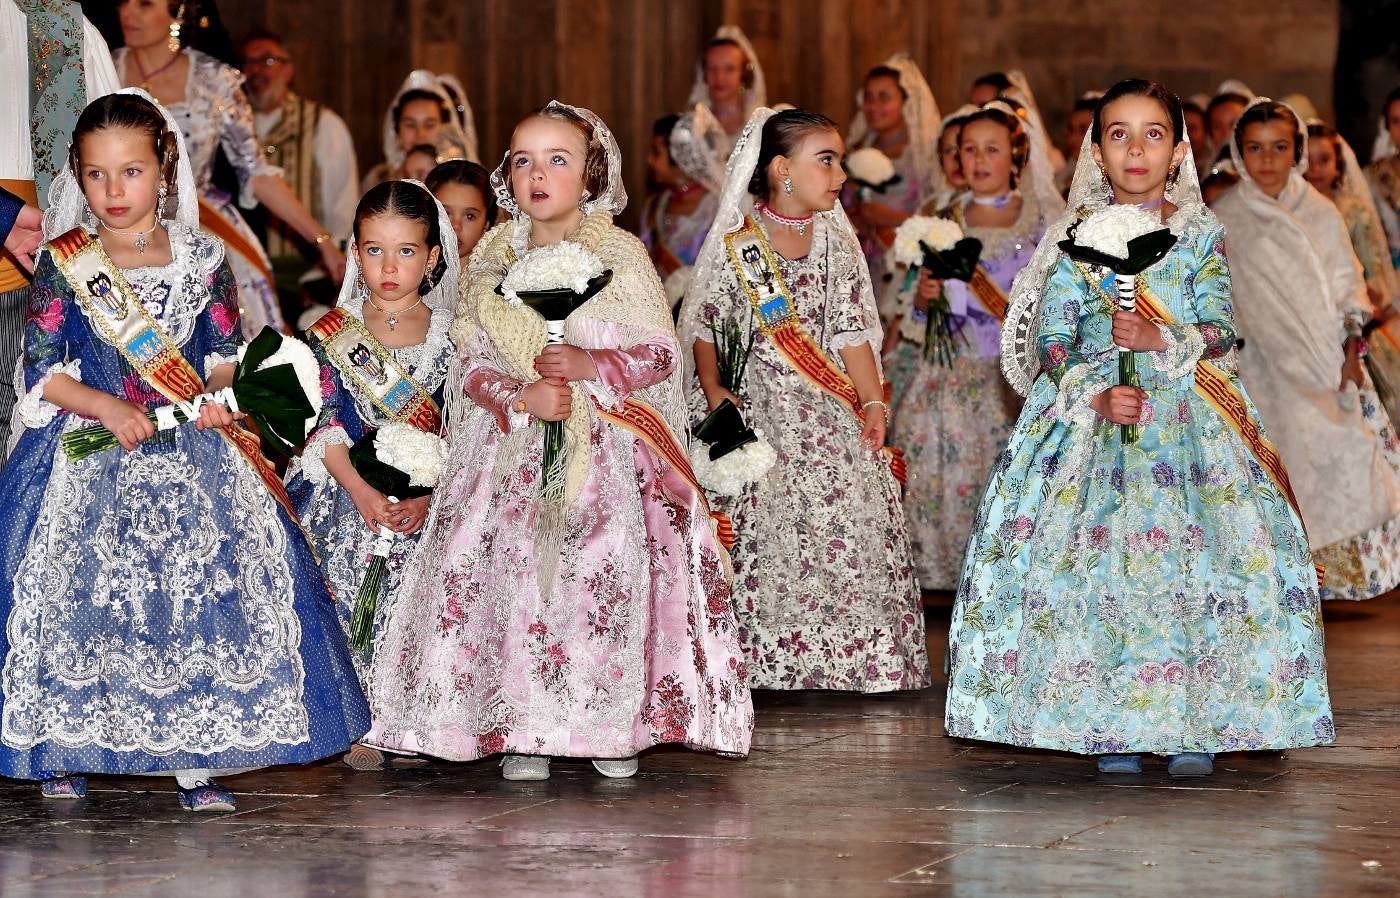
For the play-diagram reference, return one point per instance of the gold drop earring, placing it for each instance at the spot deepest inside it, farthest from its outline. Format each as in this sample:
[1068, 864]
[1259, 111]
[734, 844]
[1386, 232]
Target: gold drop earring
[173, 42]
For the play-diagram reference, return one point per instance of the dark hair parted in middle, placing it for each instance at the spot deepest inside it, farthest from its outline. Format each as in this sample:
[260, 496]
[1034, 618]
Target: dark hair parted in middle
[419, 93]
[132, 112]
[1141, 87]
[405, 200]
[468, 174]
[781, 135]
[1269, 111]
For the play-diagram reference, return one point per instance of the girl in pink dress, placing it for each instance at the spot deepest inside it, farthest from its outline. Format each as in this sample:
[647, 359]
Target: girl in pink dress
[593, 625]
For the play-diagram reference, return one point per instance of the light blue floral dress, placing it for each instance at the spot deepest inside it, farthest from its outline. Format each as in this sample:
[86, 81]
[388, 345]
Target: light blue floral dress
[1158, 597]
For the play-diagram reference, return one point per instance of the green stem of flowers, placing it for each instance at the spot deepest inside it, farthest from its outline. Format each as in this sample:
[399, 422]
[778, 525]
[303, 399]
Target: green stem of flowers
[366, 601]
[1127, 376]
[79, 444]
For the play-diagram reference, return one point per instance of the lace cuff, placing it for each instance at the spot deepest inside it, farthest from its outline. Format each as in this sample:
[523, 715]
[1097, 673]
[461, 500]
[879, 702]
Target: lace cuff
[1078, 388]
[854, 338]
[313, 457]
[33, 409]
[1185, 346]
[215, 359]
[247, 196]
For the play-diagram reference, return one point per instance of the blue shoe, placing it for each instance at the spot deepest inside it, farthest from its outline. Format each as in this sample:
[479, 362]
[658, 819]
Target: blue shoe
[1191, 763]
[64, 787]
[1130, 764]
[208, 796]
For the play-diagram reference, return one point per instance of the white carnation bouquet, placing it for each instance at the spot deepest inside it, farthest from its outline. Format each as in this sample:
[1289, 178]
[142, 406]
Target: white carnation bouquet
[872, 169]
[563, 266]
[402, 462]
[940, 246]
[1127, 240]
[731, 471]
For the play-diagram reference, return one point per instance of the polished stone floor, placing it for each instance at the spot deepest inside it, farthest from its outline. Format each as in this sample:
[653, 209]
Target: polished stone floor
[843, 796]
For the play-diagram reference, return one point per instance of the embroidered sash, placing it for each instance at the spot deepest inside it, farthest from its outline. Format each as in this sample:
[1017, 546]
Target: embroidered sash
[364, 363]
[989, 294]
[114, 310]
[762, 281]
[1220, 392]
[647, 424]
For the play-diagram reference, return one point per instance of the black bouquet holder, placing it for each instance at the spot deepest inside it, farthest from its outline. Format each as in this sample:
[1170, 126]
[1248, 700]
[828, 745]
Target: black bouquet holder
[387, 479]
[957, 263]
[724, 430]
[560, 303]
[882, 187]
[1143, 252]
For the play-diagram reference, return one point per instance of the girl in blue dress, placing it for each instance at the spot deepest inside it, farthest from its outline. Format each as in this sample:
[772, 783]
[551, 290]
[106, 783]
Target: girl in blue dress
[162, 610]
[1155, 597]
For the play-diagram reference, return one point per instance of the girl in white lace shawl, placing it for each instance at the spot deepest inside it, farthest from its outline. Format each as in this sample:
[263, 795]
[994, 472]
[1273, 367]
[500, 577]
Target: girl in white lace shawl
[823, 585]
[593, 625]
[1301, 300]
[729, 79]
[148, 587]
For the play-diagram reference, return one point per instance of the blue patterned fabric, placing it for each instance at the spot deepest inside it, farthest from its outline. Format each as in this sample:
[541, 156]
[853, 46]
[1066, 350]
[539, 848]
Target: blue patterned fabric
[161, 611]
[1157, 597]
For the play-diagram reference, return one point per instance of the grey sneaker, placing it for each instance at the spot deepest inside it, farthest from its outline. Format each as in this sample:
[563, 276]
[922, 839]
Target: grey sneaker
[525, 768]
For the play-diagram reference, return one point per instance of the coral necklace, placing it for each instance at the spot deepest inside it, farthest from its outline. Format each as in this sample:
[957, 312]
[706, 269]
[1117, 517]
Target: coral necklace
[797, 224]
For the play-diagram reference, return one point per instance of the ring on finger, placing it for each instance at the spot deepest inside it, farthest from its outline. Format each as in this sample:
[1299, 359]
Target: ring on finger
[405, 521]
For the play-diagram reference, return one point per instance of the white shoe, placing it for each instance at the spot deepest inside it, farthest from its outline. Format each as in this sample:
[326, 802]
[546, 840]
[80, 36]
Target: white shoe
[618, 769]
[525, 768]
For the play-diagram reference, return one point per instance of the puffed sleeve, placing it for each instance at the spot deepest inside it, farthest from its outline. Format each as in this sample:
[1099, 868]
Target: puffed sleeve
[1080, 375]
[339, 423]
[1213, 333]
[46, 342]
[238, 135]
[220, 321]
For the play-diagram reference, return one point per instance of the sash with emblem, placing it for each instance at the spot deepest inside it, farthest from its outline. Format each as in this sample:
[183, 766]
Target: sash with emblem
[366, 365]
[1219, 391]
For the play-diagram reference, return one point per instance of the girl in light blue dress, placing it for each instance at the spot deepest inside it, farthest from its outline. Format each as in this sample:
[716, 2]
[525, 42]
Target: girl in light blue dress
[1153, 597]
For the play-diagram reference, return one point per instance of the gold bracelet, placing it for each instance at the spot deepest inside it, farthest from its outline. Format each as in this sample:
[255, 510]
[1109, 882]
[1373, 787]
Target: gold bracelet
[322, 237]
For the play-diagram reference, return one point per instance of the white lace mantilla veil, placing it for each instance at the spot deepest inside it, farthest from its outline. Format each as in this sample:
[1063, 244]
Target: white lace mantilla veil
[451, 136]
[946, 193]
[1020, 356]
[736, 203]
[1037, 178]
[466, 119]
[1021, 90]
[68, 207]
[1353, 184]
[1384, 146]
[613, 200]
[755, 96]
[921, 119]
[698, 145]
[443, 296]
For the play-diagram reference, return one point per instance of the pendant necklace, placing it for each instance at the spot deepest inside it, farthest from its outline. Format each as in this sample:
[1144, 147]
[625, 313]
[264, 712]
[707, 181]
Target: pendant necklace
[392, 318]
[140, 242]
[147, 76]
